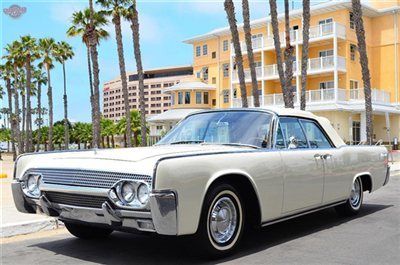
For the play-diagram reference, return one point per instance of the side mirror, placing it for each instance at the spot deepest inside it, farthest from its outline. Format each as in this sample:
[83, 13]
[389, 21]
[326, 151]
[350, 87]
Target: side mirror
[293, 143]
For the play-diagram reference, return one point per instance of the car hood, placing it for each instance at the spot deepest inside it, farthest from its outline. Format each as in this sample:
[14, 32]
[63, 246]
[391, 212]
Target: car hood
[139, 160]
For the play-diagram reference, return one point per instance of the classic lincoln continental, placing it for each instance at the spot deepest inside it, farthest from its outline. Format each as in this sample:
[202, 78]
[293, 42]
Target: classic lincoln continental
[214, 173]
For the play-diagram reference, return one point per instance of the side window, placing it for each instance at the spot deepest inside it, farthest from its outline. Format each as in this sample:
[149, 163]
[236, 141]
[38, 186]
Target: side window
[293, 133]
[315, 136]
[280, 141]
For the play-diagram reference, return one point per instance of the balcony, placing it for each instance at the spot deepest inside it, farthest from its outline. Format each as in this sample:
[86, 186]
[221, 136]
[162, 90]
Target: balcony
[318, 96]
[317, 33]
[315, 66]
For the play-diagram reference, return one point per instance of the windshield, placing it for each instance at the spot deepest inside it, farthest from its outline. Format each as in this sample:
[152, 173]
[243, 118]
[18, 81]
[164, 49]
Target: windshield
[222, 127]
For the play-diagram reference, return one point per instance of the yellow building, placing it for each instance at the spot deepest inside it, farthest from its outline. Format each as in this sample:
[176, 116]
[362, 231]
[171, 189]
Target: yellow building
[334, 81]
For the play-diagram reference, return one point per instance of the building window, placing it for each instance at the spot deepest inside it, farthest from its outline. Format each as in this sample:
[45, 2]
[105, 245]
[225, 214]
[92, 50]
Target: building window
[353, 84]
[187, 97]
[198, 97]
[198, 74]
[214, 102]
[205, 98]
[353, 49]
[180, 97]
[325, 21]
[351, 16]
[214, 55]
[198, 51]
[205, 49]
[326, 85]
[326, 53]
[205, 73]
[173, 99]
[234, 93]
[214, 80]
[225, 94]
[225, 45]
[226, 69]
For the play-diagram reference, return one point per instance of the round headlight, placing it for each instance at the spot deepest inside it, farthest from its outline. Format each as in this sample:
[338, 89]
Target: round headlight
[143, 193]
[32, 185]
[128, 192]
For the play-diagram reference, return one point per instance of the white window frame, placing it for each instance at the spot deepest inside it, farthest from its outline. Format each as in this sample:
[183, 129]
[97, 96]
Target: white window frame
[205, 49]
[225, 45]
[353, 81]
[325, 21]
[326, 53]
[198, 51]
[352, 24]
[225, 69]
[201, 97]
[326, 84]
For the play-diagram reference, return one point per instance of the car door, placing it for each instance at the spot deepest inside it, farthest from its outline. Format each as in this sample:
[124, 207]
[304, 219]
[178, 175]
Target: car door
[303, 167]
[335, 181]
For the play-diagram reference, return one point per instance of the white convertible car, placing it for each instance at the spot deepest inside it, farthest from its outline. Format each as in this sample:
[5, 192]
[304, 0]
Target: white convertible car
[216, 172]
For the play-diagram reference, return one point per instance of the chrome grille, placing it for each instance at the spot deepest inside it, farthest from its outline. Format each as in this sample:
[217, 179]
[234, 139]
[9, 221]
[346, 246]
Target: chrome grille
[75, 199]
[86, 178]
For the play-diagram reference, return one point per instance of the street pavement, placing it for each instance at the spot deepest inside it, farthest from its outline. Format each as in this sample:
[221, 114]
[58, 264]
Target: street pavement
[372, 237]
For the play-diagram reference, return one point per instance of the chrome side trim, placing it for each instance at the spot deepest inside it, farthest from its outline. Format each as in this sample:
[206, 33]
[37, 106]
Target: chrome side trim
[163, 206]
[74, 189]
[284, 218]
[387, 176]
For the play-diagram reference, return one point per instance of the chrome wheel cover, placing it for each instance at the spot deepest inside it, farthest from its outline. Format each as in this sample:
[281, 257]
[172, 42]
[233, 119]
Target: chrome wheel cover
[355, 195]
[223, 220]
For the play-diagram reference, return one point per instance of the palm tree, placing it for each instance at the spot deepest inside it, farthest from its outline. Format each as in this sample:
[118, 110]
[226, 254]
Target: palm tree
[6, 75]
[366, 77]
[48, 48]
[108, 129]
[133, 16]
[285, 77]
[93, 42]
[80, 27]
[135, 127]
[247, 34]
[39, 79]
[15, 63]
[304, 52]
[63, 53]
[230, 11]
[29, 51]
[58, 137]
[116, 9]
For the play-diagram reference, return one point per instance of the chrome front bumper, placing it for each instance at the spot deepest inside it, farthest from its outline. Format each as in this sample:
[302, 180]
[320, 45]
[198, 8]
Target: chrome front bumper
[162, 217]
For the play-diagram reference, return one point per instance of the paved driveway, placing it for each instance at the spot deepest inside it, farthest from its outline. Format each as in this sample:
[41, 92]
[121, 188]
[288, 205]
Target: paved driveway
[373, 237]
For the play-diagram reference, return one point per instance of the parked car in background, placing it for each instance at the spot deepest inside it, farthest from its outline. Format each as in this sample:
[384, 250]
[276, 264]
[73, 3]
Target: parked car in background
[213, 174]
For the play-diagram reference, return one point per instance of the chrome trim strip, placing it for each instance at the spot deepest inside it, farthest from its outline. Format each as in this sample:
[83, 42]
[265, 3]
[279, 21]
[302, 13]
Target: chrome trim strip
[281, 219]
[74, 189]
[387, 176]
[164, 212]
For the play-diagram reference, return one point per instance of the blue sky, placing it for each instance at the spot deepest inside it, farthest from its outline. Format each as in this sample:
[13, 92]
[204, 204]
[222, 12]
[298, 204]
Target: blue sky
[164, 24]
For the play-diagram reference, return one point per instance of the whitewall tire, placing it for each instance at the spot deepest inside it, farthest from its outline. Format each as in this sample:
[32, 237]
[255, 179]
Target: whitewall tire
[353, 204]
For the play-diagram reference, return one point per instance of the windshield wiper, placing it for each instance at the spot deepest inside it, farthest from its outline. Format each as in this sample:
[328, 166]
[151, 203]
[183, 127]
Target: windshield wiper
[235, 144]
[188, 142]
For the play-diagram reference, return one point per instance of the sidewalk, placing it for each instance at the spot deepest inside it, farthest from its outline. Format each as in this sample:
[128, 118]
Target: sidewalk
[13, 222]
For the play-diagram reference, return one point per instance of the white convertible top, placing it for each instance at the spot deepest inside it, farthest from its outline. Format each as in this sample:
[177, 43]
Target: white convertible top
[324, 122]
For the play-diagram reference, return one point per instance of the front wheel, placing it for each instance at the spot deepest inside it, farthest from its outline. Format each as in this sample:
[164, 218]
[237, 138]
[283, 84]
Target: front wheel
[222, 220]
[86, 231]
[353, 204]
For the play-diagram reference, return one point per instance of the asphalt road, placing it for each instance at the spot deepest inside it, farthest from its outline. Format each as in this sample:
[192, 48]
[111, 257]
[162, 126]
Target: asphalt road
[373, 237]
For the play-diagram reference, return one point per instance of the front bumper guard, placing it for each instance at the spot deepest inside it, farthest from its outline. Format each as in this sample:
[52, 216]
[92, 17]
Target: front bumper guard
[161, 219]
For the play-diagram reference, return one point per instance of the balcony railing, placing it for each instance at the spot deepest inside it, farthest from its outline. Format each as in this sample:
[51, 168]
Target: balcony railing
[318, 96]
[315, 65]
[316, 32]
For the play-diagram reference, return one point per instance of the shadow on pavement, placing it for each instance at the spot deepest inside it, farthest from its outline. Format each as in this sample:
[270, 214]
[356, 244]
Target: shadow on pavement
[123, 248]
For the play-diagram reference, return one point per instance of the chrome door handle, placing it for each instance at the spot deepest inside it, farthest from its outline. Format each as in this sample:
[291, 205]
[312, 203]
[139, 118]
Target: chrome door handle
[318, 156]
[326, 156]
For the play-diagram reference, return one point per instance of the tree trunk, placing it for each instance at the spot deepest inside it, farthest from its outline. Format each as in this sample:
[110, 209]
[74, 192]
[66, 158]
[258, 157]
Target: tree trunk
[362, 48]
[112, 141]
[79, 144]
[90, 86]
[288, 92]
[120, 47]
[17, 117]
[96, 97]
[247, 33]
[23, 132]
[139, 67]
[39, 106]
[230, 11]
[108, 141]
[304, 52]
[28, 141]
[66, 127]
[13, 120]
[50, 99]
[277, 43]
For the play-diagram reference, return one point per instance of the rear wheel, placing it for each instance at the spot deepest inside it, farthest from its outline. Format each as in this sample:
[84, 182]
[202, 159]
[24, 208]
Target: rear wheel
[86, 231]
[222, 221]
[353, 204]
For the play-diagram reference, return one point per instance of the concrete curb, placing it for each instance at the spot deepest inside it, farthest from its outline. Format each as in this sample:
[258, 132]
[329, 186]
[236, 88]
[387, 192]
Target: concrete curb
[28, 227]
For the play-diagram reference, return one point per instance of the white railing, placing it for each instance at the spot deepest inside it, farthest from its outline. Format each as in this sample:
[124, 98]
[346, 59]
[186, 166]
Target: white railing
[317, 31]
[317, 96]
[314, 65]
[237, 102]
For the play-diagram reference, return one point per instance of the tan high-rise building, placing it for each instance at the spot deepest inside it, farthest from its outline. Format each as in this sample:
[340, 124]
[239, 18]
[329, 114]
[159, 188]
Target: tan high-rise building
[155, 81]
